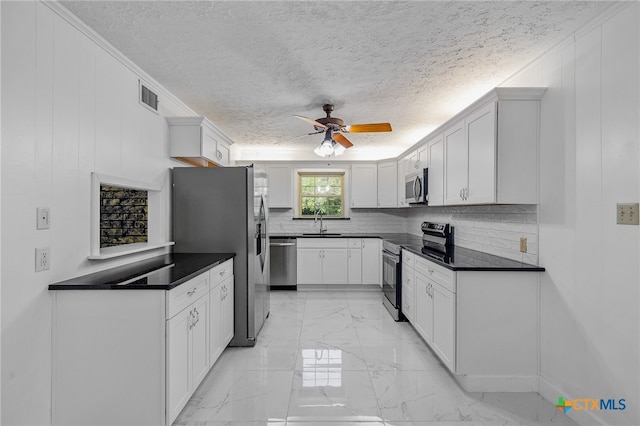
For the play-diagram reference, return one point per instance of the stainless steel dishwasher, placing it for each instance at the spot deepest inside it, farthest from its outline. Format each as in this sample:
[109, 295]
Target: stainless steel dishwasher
[283, 263]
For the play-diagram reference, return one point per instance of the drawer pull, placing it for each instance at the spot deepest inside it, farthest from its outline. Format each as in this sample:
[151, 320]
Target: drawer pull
[192, 292]
[222, 273]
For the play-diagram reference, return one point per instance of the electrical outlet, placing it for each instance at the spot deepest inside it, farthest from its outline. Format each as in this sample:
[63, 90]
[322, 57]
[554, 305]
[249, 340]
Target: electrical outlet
[523, 244]
[42, 214]
[43, 259]
[627, 214]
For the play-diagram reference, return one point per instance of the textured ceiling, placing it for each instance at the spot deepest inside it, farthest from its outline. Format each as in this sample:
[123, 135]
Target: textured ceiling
[249, 66]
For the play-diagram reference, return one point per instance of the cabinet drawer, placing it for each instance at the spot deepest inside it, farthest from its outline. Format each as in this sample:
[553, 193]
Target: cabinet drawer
[187, 293]
[437, 273]
[354, 242]
[322, 242]
[408, 258]
[221, 272]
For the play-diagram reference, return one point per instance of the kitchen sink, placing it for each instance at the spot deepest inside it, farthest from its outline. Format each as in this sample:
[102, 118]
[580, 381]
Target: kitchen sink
[317, 234]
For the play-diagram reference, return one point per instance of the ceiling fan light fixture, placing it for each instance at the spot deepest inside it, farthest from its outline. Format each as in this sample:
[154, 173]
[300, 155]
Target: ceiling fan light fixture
[325, 149]
[338, 149]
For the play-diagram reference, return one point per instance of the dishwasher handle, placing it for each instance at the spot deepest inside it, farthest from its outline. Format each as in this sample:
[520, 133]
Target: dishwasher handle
[281, 244]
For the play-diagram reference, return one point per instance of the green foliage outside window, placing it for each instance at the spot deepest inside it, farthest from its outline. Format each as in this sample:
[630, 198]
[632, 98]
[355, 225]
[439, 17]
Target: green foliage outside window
[321, 193]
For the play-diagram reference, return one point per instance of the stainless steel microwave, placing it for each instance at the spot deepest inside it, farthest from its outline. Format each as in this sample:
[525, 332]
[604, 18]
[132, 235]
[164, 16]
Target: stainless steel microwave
[416, 187]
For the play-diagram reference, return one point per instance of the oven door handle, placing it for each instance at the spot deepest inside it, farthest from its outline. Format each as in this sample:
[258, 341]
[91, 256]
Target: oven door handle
[389, 255]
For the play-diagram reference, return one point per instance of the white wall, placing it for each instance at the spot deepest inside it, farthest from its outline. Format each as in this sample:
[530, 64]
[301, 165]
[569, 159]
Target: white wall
[73, 110]
[589, 162]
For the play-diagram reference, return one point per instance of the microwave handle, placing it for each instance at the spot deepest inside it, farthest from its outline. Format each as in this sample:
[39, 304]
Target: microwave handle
[417, 188]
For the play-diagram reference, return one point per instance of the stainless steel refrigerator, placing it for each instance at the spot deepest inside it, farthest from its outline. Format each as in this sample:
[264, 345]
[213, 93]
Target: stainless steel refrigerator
[224, 210]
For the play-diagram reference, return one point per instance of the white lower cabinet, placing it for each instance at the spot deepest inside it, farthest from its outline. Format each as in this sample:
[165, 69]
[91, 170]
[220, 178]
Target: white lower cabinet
[322, 261]
[143, 352]
[178, 377]
[221, 309]
[481, 324]
[354, 258]
[339, 261]
[187, 354]
[227, 314]
[371, 261]
[309, 264]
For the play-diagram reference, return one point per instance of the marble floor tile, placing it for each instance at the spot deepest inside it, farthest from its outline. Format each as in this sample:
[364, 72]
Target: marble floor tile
[280, 331]
[399, 354]
[229, 423]
[329, 329]
[381, 329]
[231, 395]
[333, 395]
[268, 354]
[346, 355]
[328, 358]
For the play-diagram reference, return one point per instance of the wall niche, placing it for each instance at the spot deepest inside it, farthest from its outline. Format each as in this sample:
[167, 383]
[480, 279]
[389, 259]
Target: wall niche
[122, 217]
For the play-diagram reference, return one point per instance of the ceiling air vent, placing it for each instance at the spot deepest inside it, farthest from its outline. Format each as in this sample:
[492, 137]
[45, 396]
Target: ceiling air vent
[148, 98]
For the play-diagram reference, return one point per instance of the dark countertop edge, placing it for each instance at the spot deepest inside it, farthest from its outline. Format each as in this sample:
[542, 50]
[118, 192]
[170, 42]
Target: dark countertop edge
[324, 218]
[525, 267]
[129, 268]
[292, 236]
[401, 239]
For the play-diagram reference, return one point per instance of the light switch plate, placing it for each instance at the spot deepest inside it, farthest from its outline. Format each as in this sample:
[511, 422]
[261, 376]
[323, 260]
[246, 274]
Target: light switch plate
[43, 218]
[627, 213]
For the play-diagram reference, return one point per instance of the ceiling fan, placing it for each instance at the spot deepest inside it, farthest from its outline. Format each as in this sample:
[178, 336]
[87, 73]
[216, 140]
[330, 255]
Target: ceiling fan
[334, 141]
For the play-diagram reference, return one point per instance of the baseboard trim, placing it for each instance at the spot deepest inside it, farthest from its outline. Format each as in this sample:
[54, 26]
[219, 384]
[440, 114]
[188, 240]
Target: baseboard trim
[473, 383]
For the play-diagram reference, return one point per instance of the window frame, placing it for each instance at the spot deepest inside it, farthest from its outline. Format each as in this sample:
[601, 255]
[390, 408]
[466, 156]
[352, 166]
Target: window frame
[338, 174]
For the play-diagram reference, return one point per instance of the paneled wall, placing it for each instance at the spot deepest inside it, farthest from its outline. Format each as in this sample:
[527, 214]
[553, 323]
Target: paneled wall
[589, 156]
[69, 108]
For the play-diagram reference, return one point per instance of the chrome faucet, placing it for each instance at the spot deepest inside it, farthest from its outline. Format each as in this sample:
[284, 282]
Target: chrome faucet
[322, 228]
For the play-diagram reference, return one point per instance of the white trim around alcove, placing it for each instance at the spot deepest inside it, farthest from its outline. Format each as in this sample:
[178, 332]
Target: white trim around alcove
[155, 204]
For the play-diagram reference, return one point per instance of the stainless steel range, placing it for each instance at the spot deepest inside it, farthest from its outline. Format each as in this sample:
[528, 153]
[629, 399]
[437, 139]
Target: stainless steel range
[392, 279]
[437, 242]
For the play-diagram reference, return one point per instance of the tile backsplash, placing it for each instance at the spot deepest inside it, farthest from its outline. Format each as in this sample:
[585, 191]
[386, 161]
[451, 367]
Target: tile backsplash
[494, 229]
[361, 220]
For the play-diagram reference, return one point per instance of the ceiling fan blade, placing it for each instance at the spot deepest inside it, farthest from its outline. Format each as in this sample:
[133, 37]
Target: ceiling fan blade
[306, 134]
[342, 140]
[371, 127]
[310, 121]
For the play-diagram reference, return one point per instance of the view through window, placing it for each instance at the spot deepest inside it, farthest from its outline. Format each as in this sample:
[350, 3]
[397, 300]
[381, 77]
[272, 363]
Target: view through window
[322, 193]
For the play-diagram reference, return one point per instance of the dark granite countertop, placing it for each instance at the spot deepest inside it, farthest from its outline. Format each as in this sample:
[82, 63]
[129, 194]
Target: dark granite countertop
[463, 259]
[327, 235]
[158, 273]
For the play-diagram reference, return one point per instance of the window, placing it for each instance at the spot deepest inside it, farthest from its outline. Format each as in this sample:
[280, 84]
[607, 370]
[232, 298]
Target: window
[320, 192]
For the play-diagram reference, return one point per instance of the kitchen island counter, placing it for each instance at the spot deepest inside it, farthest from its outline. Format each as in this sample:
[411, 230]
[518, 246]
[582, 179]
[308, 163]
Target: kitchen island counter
[158, 273]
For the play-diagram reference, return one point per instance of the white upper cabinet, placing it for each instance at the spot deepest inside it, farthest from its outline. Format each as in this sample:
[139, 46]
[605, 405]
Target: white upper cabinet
[364, 185]
[421, 158]
[456, 157]
[280, 186]
[196, 141]
[388, 184]
[491, 149]
[435, 154]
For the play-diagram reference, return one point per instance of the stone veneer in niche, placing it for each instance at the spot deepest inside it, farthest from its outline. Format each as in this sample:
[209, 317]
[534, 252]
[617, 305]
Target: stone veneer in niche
[123, 216]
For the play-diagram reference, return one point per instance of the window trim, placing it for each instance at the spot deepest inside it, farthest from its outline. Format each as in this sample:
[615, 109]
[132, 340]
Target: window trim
[340, 174]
